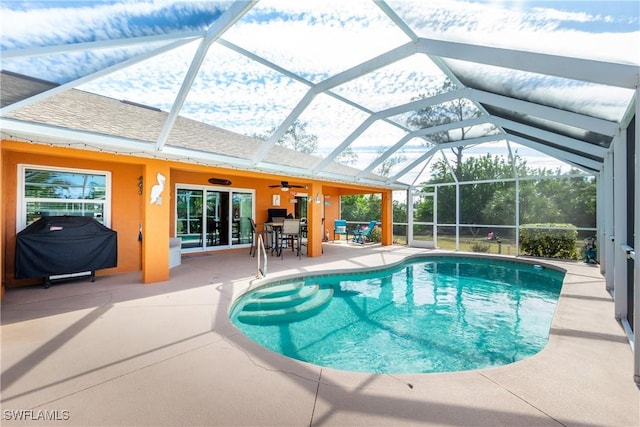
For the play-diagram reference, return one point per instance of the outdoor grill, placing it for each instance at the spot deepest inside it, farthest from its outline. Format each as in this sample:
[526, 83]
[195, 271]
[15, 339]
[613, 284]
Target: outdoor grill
[62, 245]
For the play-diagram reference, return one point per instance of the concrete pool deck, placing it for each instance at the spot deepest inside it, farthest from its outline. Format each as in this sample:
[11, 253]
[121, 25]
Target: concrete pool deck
[119, 353]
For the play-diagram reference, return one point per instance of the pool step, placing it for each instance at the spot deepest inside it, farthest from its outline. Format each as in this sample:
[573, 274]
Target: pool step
[269, 302]
[278, 290]
[305, 308]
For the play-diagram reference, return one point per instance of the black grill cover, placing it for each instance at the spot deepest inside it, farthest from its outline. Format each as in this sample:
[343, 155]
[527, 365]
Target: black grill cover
[63, 245]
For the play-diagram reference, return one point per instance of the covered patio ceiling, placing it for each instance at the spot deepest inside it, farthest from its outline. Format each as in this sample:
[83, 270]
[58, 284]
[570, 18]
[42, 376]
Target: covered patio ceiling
[552, 80]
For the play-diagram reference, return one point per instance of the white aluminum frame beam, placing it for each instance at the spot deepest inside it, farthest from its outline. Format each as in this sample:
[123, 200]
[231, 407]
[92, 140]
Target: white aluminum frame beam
[599, 72]
[587, 70]
[434, 149]
[421, 103]
[571, 158]
[67, 137]
[571, 143]
[55, 135]
[359, 70]
[299, 79]
[236, 11]
[89, 77]
[30, 52]
[593, 124]
[426, 131]
[396, 19]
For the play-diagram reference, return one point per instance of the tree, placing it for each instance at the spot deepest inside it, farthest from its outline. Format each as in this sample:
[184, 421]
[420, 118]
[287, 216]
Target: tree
[560, 200]
[298, 139]
[295, 138]
[364, 208]
[474, 197]
[347, 156]
[384, 168]
[358, 207]
[553, 198]
[447, 112]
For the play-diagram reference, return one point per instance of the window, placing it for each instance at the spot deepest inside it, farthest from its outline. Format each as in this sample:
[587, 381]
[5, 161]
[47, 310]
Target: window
[58, 191]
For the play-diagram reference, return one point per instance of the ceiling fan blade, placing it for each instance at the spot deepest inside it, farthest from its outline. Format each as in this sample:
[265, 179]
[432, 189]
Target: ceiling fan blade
[285, 184]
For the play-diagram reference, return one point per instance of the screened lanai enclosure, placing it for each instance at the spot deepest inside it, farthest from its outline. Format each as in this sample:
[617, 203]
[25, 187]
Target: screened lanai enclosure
[489, 215]
[483, 117]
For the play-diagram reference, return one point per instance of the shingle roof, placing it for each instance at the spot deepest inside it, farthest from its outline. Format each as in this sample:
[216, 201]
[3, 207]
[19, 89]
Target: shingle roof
[16, 87]
[83, 111]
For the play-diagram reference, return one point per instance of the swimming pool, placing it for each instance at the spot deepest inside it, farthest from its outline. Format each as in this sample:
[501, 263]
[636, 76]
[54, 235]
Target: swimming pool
[428, 314]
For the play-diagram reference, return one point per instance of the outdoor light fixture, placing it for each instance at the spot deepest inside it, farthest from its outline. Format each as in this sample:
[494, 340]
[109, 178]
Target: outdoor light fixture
[284, 189]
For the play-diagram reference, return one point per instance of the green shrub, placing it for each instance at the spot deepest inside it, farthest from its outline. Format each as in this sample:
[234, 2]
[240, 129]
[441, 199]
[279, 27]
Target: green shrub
[559, 242]
[376, 235]
[480, 247]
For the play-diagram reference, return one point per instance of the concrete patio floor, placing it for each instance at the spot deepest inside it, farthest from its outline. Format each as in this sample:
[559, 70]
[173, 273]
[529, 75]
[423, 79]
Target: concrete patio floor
[119, 353]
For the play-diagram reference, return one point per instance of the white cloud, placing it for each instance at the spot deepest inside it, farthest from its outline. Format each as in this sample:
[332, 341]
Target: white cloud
[317, 40]
[539, 29]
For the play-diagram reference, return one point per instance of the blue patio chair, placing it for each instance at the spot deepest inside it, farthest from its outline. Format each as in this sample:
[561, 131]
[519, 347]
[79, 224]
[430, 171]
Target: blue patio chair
[340, 227]
[359, 236]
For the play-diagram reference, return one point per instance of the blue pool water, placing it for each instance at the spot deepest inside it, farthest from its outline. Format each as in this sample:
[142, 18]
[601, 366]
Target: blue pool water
[431, 314]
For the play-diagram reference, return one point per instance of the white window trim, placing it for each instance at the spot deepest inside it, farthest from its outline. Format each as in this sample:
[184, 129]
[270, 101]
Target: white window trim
[204, 188]
[21, 220]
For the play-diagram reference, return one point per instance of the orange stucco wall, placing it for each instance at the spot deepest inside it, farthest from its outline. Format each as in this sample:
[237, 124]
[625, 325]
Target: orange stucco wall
[130, 210]
[125, 204]
[331, 209]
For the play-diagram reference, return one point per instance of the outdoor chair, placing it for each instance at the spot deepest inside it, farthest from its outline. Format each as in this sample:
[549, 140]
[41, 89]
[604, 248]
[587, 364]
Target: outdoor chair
[270, 236]
[359, 236]
[290, 235]
[255, 234]
[340, 227]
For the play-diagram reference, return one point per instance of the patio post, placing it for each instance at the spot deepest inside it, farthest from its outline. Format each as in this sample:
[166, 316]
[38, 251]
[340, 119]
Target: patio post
[314, 220]
[156, 208]
[387, 217]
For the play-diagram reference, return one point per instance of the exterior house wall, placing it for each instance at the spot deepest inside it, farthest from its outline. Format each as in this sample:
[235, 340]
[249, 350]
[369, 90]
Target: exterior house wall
[130, 210]
[331, 209]
[126, 203]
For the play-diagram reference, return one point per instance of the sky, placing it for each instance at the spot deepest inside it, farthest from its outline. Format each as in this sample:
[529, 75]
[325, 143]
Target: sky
[312, 41]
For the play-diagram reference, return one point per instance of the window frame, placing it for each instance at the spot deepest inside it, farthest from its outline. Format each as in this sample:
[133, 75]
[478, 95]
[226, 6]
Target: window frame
[21, 202]
[212, 188]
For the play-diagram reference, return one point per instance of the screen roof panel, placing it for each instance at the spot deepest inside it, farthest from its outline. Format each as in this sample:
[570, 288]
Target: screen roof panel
[350, 70]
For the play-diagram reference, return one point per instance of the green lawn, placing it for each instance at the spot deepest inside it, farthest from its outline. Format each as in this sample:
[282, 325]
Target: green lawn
[471, 244]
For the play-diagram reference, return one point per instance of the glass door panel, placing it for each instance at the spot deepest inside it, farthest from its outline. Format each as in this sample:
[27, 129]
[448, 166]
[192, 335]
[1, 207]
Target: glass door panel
[217, 224]
[189, 218]
[242, 210]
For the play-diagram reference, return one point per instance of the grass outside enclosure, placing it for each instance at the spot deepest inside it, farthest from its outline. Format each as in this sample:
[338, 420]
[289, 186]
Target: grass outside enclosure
[479, 244]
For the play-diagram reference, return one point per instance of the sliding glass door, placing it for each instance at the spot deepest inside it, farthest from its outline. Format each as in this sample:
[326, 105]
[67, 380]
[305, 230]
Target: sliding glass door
[208, 217]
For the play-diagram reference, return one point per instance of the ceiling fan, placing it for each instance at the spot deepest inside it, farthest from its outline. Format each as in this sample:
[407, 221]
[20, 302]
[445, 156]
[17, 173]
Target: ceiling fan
[284, 186]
